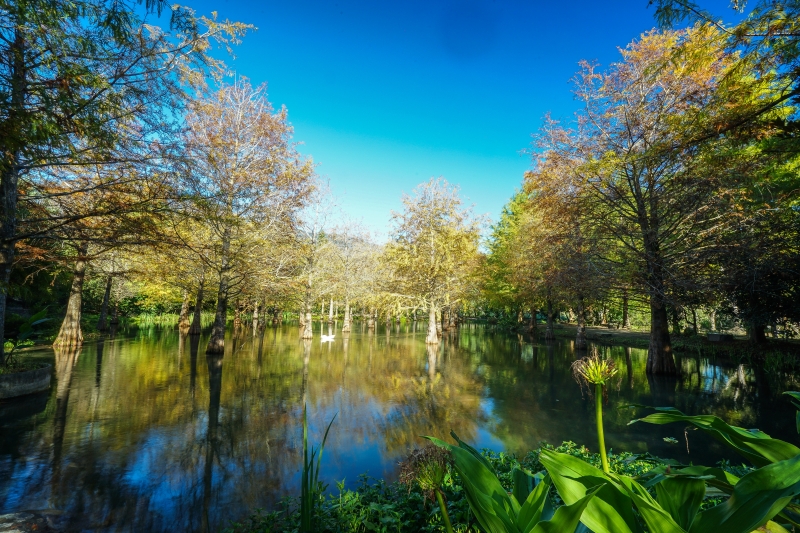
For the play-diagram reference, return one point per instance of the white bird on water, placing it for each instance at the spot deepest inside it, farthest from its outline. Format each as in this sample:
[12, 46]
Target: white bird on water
[327, 338]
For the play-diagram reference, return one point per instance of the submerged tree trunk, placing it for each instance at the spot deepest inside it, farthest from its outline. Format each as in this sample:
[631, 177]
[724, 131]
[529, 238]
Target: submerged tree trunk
[183, 318]
[216, 344]
[659, 354]
[308, 330]
[626, 319]
[198, 309]
[532, 324]
[433, 337]
[346, 326]
[549, 334]
[102, 322]
[580, 334]
[757, 333]
[70, 335]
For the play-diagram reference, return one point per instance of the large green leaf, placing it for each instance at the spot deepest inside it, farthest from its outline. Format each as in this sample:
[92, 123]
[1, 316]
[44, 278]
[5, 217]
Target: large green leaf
[475, 453]
[756, 446]
[567, 517]
[610, 511]
[756, 498]
[493, 508]
[535, 506]
[681, 496]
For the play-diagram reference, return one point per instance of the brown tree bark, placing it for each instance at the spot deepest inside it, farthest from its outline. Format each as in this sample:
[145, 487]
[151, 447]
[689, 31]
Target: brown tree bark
[549, 334]
[532, 326]
[196, 326]
[102, 322]
[580, 334]
[70, 334]
[216, 344]
[433, 336]
[659, 354]
[626, 319]
[183, 318]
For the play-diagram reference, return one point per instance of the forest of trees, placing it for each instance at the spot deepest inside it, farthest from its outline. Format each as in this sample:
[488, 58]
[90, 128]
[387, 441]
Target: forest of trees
[140, 176]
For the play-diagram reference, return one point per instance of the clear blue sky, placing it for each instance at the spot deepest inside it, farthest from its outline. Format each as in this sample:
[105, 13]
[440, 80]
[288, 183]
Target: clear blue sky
[385, 95]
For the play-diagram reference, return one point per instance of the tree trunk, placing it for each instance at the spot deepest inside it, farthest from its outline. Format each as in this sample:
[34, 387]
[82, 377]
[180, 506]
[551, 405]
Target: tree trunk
[237, 316]
[549, 334]
[255, 317]
[532, 324]
[580, 334]
[694, 321]
[198, 309]
[371, 319]
[443, 322]
[659, 353]
[308, 330]
[102, 323]
[183, 318]
[330, 312]
[433, 337]
[70, 335]
[10, 155]
[712, 318]
[346, 326]
[676, 320]
[626, 319]
[757, 333]
[216, 344]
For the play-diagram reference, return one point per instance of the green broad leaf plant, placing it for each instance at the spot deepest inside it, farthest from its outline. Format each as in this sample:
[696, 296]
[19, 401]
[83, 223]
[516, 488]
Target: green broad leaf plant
[526, 510]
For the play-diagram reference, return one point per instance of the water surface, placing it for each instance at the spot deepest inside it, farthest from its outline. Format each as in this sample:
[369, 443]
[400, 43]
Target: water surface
[145, 433]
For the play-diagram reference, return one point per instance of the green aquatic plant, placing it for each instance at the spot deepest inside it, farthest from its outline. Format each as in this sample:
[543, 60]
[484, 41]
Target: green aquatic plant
[311, 489]
[596, 373]
[527, 509]
[428, 467]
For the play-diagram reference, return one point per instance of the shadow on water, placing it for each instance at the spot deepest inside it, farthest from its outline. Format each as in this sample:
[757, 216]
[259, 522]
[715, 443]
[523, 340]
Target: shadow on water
[136, 436]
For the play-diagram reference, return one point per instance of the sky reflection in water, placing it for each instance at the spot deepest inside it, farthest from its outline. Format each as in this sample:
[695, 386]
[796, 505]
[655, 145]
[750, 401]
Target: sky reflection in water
[145, 433]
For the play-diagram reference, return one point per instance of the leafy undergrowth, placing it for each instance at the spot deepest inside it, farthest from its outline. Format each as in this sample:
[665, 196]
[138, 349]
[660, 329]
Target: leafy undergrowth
[390, 507]
[19, 365]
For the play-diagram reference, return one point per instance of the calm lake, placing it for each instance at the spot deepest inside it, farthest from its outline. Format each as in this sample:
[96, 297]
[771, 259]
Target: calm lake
[144, 433]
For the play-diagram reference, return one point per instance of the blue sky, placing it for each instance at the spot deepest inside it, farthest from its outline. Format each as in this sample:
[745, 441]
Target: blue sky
[385, 95]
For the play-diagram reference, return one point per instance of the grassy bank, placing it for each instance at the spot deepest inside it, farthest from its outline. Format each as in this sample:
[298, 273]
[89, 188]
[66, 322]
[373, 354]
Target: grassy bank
[774, 354]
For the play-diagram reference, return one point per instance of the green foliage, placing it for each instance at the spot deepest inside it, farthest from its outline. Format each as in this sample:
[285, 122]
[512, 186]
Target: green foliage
[311, 489]
[526, 509]
[795, 398]
[24, 333]
[375, 505]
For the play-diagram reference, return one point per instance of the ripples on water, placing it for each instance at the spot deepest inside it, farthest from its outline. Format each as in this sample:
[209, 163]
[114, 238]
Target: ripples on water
[145, 433]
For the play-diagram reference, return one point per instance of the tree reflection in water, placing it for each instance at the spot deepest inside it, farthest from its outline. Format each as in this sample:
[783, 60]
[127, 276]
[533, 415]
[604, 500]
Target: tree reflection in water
[137, 437]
